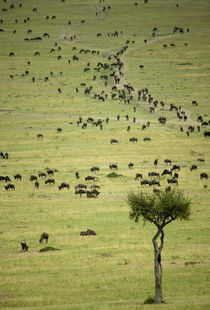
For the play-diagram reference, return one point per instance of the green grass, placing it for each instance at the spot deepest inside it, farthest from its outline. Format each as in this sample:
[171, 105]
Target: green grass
[114, 269]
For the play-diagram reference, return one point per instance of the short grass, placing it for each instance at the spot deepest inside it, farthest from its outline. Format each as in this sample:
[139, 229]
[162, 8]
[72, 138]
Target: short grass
[114, 269]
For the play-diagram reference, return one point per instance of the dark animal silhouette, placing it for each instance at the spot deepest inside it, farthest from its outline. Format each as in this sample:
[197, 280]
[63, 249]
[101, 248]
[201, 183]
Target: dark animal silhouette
[44, 236]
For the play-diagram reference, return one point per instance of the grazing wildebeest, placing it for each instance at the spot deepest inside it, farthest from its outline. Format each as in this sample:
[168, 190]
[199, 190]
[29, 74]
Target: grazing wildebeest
[153, 174]
[194, 167]
[36, 184]
[114, 141]
[130, 165]
[63, 185]
[80, 191]
[153, 183]
[92, 194]
[50, 181]
[24, 246]
[11, 54]
[133, 139]
[175, 167]
[59, 129]
[90, 178]
[80, 186]
[77, 175]
[206, 133]
[95, 186]
[9, 187]
[138, 176]
[167, 161]
[33, 178]
[42, 175]
[94, 169]
[155, 162]
[44, 236]
[145, 182]
[201, 160]
[172, 181]
[165, 172]
[50, 172]
[39, 136]
[17, 176]
[89, 232]
[204, 175]
[146, 139]
[113, 166]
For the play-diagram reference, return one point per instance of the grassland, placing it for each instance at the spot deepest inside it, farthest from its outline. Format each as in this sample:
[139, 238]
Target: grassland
[114, 269]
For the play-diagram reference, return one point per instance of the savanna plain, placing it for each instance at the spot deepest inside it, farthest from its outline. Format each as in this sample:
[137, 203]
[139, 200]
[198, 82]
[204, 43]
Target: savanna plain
[74, 75]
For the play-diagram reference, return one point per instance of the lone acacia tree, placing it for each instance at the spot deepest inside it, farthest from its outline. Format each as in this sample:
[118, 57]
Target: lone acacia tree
[159, 208]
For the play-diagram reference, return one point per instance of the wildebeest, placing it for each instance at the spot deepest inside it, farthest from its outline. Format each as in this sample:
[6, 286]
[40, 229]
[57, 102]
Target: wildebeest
[113, 166]
[50, 181]
[145, 182]
[92, 169]
[33, 178]
[77, 175]
[80, 192]
[204, 175]
[63, 185]
[42, 175]
[39, 135]
[138, 176]
[90, 178]
[133, 139]
[206, 133]
[89, 232]
[165, 172]
[175, 167]
[194, 167]
[172, 181]
[92, 194]
[153, 174]
[36, 184]
[44, 236]
[114, 141]
[146, 139]
[9, 187]
[155, 162]
[17, 176]
[167, 161]
[24, 246]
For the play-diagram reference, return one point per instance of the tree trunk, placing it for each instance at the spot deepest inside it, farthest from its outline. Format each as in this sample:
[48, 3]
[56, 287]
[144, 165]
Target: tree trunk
[158, 298]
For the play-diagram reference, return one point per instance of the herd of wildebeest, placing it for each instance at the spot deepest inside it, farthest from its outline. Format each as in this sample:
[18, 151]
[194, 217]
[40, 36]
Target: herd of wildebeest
[109, 72]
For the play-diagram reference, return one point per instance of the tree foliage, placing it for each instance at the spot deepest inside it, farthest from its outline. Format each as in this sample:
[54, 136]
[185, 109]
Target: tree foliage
[159, 208]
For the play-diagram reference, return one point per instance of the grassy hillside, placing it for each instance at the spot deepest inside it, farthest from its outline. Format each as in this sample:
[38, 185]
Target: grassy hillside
[81, 44]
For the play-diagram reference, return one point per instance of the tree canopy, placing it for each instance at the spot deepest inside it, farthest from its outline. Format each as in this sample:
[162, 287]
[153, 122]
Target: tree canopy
[159, 208]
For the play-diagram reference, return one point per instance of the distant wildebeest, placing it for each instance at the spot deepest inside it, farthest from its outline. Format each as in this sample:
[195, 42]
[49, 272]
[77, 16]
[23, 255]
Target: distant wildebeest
[114, 141]
[204, 175]
[39, 136]
[80, 186]
[24, 246]
[9, 187]
[175, 167]
[50, 172]
[42, 175]
[155, 162]
[50, 181]
[59, 129]
[36, 184]
[80, 192]
[153, 174]
[167, 161]
[11, 54]
[138, 176]
[166, 172]
[17, 176]
[77, 175]
[172, 181]
[130, 165]
[44, 236]
[145, 182]
[113, 166]
[90, 178]
[206, 133]
[201, 160]
[146, 139]
[94, 169]
[63, 185]
[89, 232]
[133, 139]
[33, 178]
[194, 167]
